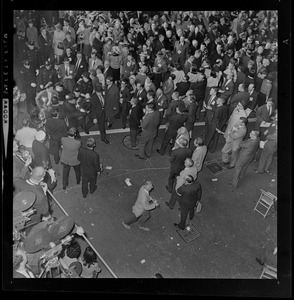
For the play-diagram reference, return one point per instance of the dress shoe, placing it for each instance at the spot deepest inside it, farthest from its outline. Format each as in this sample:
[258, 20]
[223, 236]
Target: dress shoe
[124, 127]
[109, 126]
[167, 204]
[168, 189]
[87, 132]
[134, 148]
[64, 188]
[126, 226]
[259, 261]
[191, 218]
[85, 196]
[144, 228]
[176, 225]
[78, 182]
[143, 158]
[94, 190]
[106, 141]
[158, 151]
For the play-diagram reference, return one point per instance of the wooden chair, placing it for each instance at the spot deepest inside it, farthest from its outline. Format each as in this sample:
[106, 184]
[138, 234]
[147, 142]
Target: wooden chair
[268, 272]
[265, 202]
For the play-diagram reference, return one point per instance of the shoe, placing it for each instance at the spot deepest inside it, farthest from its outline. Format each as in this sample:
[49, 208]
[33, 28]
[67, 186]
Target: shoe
[124, 127]
[231, 167]
[126, 226]
[85, 196]
[158, 151]
[94, 190]
[167, 204]
[259, 261]
[78, 182]
[106, 141]
[176, 225]
[191, 218]
[144, 158]
[87, 132]
[64, 188]
[254, 170]
[144, 228]
[109, 126]
[134, 148]
[168, 189]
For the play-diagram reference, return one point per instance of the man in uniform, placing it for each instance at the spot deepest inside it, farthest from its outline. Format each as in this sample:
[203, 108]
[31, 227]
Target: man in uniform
[27, 84]
[31, 53]
[46, 74]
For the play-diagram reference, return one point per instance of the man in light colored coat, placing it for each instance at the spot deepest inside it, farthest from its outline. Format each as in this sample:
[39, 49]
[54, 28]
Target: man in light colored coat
[142, 207]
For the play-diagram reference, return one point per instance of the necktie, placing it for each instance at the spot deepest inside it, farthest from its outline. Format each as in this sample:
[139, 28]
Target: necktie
[77, 64]
[93, 63]
[209, 101]
[101, 101]
[67, 71]
[269, 110]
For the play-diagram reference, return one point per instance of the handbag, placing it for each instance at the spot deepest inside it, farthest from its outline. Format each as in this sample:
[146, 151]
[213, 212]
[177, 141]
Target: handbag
[60, 46]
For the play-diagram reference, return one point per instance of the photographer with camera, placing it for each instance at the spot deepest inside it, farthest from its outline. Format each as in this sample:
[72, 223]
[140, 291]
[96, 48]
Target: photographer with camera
[142, 207]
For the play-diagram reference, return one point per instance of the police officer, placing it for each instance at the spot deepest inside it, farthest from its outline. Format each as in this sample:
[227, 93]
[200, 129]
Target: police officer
[85, 84]
[28, 84]
[31, 53]
[46, 74]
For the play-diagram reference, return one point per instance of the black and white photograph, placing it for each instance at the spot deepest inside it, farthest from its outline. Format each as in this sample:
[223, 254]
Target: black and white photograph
[144, 145]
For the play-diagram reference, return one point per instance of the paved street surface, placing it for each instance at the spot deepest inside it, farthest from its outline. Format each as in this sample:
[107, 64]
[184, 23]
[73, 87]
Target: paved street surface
[232, 233]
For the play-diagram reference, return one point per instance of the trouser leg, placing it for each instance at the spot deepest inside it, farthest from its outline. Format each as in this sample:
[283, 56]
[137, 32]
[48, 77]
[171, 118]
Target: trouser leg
[65, 174]
[85, 182]
[77, 170]
[144, 218]
[132, 219]
[184, 214]
[93, 184]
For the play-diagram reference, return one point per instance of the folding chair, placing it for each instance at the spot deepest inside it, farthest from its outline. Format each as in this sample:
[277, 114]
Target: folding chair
[265, 202]
[268, 272]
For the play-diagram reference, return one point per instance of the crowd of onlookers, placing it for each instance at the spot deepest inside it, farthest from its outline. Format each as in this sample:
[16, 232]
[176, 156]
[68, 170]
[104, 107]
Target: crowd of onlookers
[75, 70]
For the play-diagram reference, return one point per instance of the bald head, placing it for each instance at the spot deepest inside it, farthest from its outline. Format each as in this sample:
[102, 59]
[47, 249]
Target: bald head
[38, 174]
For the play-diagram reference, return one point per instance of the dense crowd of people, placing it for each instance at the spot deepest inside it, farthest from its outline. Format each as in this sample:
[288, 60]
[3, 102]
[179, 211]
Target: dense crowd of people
[81, 69]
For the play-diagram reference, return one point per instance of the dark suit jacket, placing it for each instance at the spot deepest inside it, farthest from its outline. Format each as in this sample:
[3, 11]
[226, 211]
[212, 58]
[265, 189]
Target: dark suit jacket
[183, 87]
[219, 118]
[175, 122]
[142, 97]
[242, 97]
[199, 89]
[41, 153]
[177, 159]
[247, 152]
[263, 115]
[252, 101]
[83, 67]
[90, 162]
[190, 195]
[136, 115]
[56, 129]
[96, 109]
[150, 124]
[108, 73]
[228, 90]
[192, 107]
